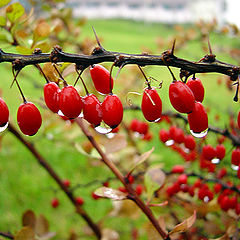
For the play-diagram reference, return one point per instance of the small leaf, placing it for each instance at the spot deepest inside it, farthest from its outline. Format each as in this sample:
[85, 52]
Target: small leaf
[14, 11]
[2, 21]
[26, 233]
[185, 225]
[29, 219]
[154, 178]
[5, 36]
[141, 159]
[42, 226]
[111, 193]
[47, 236]
[109, 234]
[115, 144]
[4, 3]
[93, 154]
[43, 45]
[42, 30]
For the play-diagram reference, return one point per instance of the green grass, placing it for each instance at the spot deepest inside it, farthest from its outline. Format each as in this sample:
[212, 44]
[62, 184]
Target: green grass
[26, 185]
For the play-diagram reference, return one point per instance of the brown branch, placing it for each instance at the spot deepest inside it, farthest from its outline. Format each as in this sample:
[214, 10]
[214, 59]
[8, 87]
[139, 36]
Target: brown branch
[7, 235]
[132, 195]
[58, 180]
[121, 59]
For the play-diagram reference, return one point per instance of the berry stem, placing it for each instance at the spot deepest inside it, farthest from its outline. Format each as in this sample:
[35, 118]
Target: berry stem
[110, 78]
[40, 69]
[19, 88]
[60, 75]
[174, 78]
[147, 80]
[79, 76]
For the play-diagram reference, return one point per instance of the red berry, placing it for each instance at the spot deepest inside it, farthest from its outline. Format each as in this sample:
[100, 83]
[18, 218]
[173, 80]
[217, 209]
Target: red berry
[177, 169]
[66, 183]
[134, 125]
[197, 88]
[29, 118]
[51, 96]
[163, 135]
[235, 159]
[222, 172]
[237, 209]
[112, 110]
[92, 109]
[181, 97]
[101, 79]
[220, 151]
[122, 189]
[182, 179]
[189, 142]
[178, 137]
[139, 189]
[198, 119]
[55, 202]
[106, 184]
[225, 203]
[131, 179]
[79, 201]
[147, 137]
[70, 103]
[95, 196]
[4, 113]
[208, 152]
[217, 187]
[151, 105]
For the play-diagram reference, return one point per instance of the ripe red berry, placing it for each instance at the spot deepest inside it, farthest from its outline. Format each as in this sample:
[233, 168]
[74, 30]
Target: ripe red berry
[51, 96]
[235, 158]
[70, 103]
[131, 179]
[163, 135]
[92, 109]
[222, 172]
[79, 201]
[66, 183]
[189, 142]
[182, 179]
[139, 189]
[101, 79]
[4, 113]
[198, 119]
[181, 97]
[197, 88]
[106, 184]
[29, 118]
[55, 202]
[178, 136]
[151, 105]
[208, 152]
[95, 196]
[220, 151]
[177, 169]
[112, 110]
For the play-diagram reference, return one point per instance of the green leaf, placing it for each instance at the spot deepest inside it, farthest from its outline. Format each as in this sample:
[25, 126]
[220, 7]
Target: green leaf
[2, 21]
[111, 193]
[4, 3]
[14, 11]
[5, 36]
[23, 50]
[154, 178]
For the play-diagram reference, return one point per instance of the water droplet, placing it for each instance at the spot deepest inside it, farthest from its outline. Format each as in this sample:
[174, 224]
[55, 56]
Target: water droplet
[110, 135]
[103, 130]
[157, 120]
[234, 167]
[60, 113]
[169, 143]
[206, 199]
[215, 160]
[80, 115]
[2, 128]
[199, 135]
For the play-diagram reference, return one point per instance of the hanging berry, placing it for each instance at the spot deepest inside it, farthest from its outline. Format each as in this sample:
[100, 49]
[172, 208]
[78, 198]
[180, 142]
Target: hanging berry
[197, 88]
[92, 109]
[151, 104]
[101, 79]
[181, 97]
[112, 110]
[51, 96]
[238, 119]
[4, 113]
[29, 118]
[198, 120]
[70, 102]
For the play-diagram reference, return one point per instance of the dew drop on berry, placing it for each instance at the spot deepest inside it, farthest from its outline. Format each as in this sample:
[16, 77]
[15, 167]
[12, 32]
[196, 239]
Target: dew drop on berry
[215, 161]
[199, 135]
[4, 127]
[103, 130]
